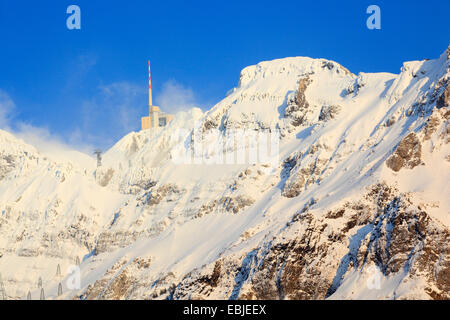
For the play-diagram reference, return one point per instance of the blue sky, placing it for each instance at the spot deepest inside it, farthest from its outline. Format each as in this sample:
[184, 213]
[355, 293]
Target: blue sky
[87, 87]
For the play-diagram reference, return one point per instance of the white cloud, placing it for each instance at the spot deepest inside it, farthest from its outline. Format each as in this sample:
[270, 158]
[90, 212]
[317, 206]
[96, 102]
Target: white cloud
[175, 97]
[114, 111]
[41, 138]
[79, 69]
[54, 146]
[6, 110]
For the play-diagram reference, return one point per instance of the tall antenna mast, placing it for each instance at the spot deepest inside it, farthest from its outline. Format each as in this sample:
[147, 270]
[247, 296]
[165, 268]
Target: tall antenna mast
[149, 86]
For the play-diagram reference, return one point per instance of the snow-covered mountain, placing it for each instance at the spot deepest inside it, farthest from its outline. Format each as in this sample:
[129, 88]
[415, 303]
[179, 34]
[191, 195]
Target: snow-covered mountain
[353, 204]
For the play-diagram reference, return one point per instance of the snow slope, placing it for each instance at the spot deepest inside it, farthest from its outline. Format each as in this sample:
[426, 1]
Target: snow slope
[353, 205]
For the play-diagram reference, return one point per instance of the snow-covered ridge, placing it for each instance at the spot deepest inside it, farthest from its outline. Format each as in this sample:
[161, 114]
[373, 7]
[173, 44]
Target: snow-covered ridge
[357, 163]
[288, 66]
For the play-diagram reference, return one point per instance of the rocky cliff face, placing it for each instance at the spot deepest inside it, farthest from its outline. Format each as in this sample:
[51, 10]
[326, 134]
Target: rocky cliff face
[353, 203]
[314, 255]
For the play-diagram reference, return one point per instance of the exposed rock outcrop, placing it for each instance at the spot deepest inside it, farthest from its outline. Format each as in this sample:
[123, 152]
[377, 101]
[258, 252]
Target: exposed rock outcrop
[407, 154]
[313, 255]
[298, 106]
[444, 98]
[328, 112]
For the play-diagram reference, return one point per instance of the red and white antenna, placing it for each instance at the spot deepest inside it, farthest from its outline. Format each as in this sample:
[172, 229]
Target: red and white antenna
[149, 86]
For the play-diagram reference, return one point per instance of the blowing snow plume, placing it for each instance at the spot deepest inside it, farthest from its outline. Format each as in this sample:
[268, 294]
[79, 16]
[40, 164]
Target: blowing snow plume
[175, 97]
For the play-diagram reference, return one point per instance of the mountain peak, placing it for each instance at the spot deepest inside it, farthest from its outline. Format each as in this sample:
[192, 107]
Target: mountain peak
[288, 67]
